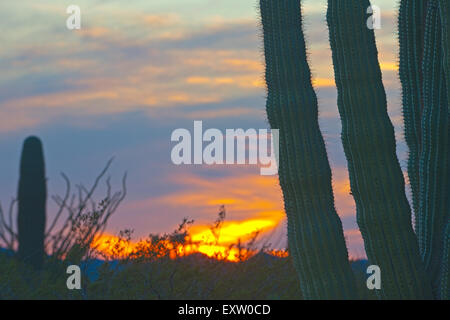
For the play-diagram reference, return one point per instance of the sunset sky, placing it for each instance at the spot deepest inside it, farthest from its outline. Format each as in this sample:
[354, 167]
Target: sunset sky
[139, 69]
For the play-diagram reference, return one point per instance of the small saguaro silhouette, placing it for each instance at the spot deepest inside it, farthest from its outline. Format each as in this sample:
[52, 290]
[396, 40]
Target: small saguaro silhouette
[32, 198]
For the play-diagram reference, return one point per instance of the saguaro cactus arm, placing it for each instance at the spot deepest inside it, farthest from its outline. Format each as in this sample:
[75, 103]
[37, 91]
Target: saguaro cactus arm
[434, 157]
[411, 25]
[315, 234]
[377, 184]
[423, 28]
[32, 197]
[445, 272]
[444, 7]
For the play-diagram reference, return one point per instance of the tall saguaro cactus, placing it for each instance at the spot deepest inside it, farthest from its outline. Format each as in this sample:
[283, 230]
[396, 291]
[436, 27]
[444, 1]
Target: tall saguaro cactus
[413, 266]
[315, 232]
[411, 25]
[32, 197]
[444, 7]
[383, 212]
[423, 74]
[445, 272]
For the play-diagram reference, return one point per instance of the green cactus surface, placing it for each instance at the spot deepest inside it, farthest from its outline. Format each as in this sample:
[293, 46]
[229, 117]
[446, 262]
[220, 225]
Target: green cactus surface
[445, 276]
[434, 159]
[444, 7]
[376, 179]
[315, 234]
[422, 30]
[411, 27]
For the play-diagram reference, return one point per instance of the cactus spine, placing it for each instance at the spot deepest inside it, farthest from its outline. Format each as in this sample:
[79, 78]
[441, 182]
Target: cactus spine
[383, 212]
[315, 233]
[32, 197]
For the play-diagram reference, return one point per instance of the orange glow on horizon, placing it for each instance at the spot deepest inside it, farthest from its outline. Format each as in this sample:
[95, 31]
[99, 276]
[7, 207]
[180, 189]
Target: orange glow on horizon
[250, 212]
[226, 243]
[232, 231]
[252, 202]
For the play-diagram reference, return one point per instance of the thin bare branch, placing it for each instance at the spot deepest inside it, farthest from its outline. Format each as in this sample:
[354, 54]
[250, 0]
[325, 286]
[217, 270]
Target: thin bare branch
[62, 204]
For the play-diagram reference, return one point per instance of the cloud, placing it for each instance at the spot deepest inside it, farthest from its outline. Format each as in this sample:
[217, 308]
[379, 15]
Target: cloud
[239, 81]
[161, 20]
[221, 113]
[102, 69]
[93, 32]
[244, 196]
